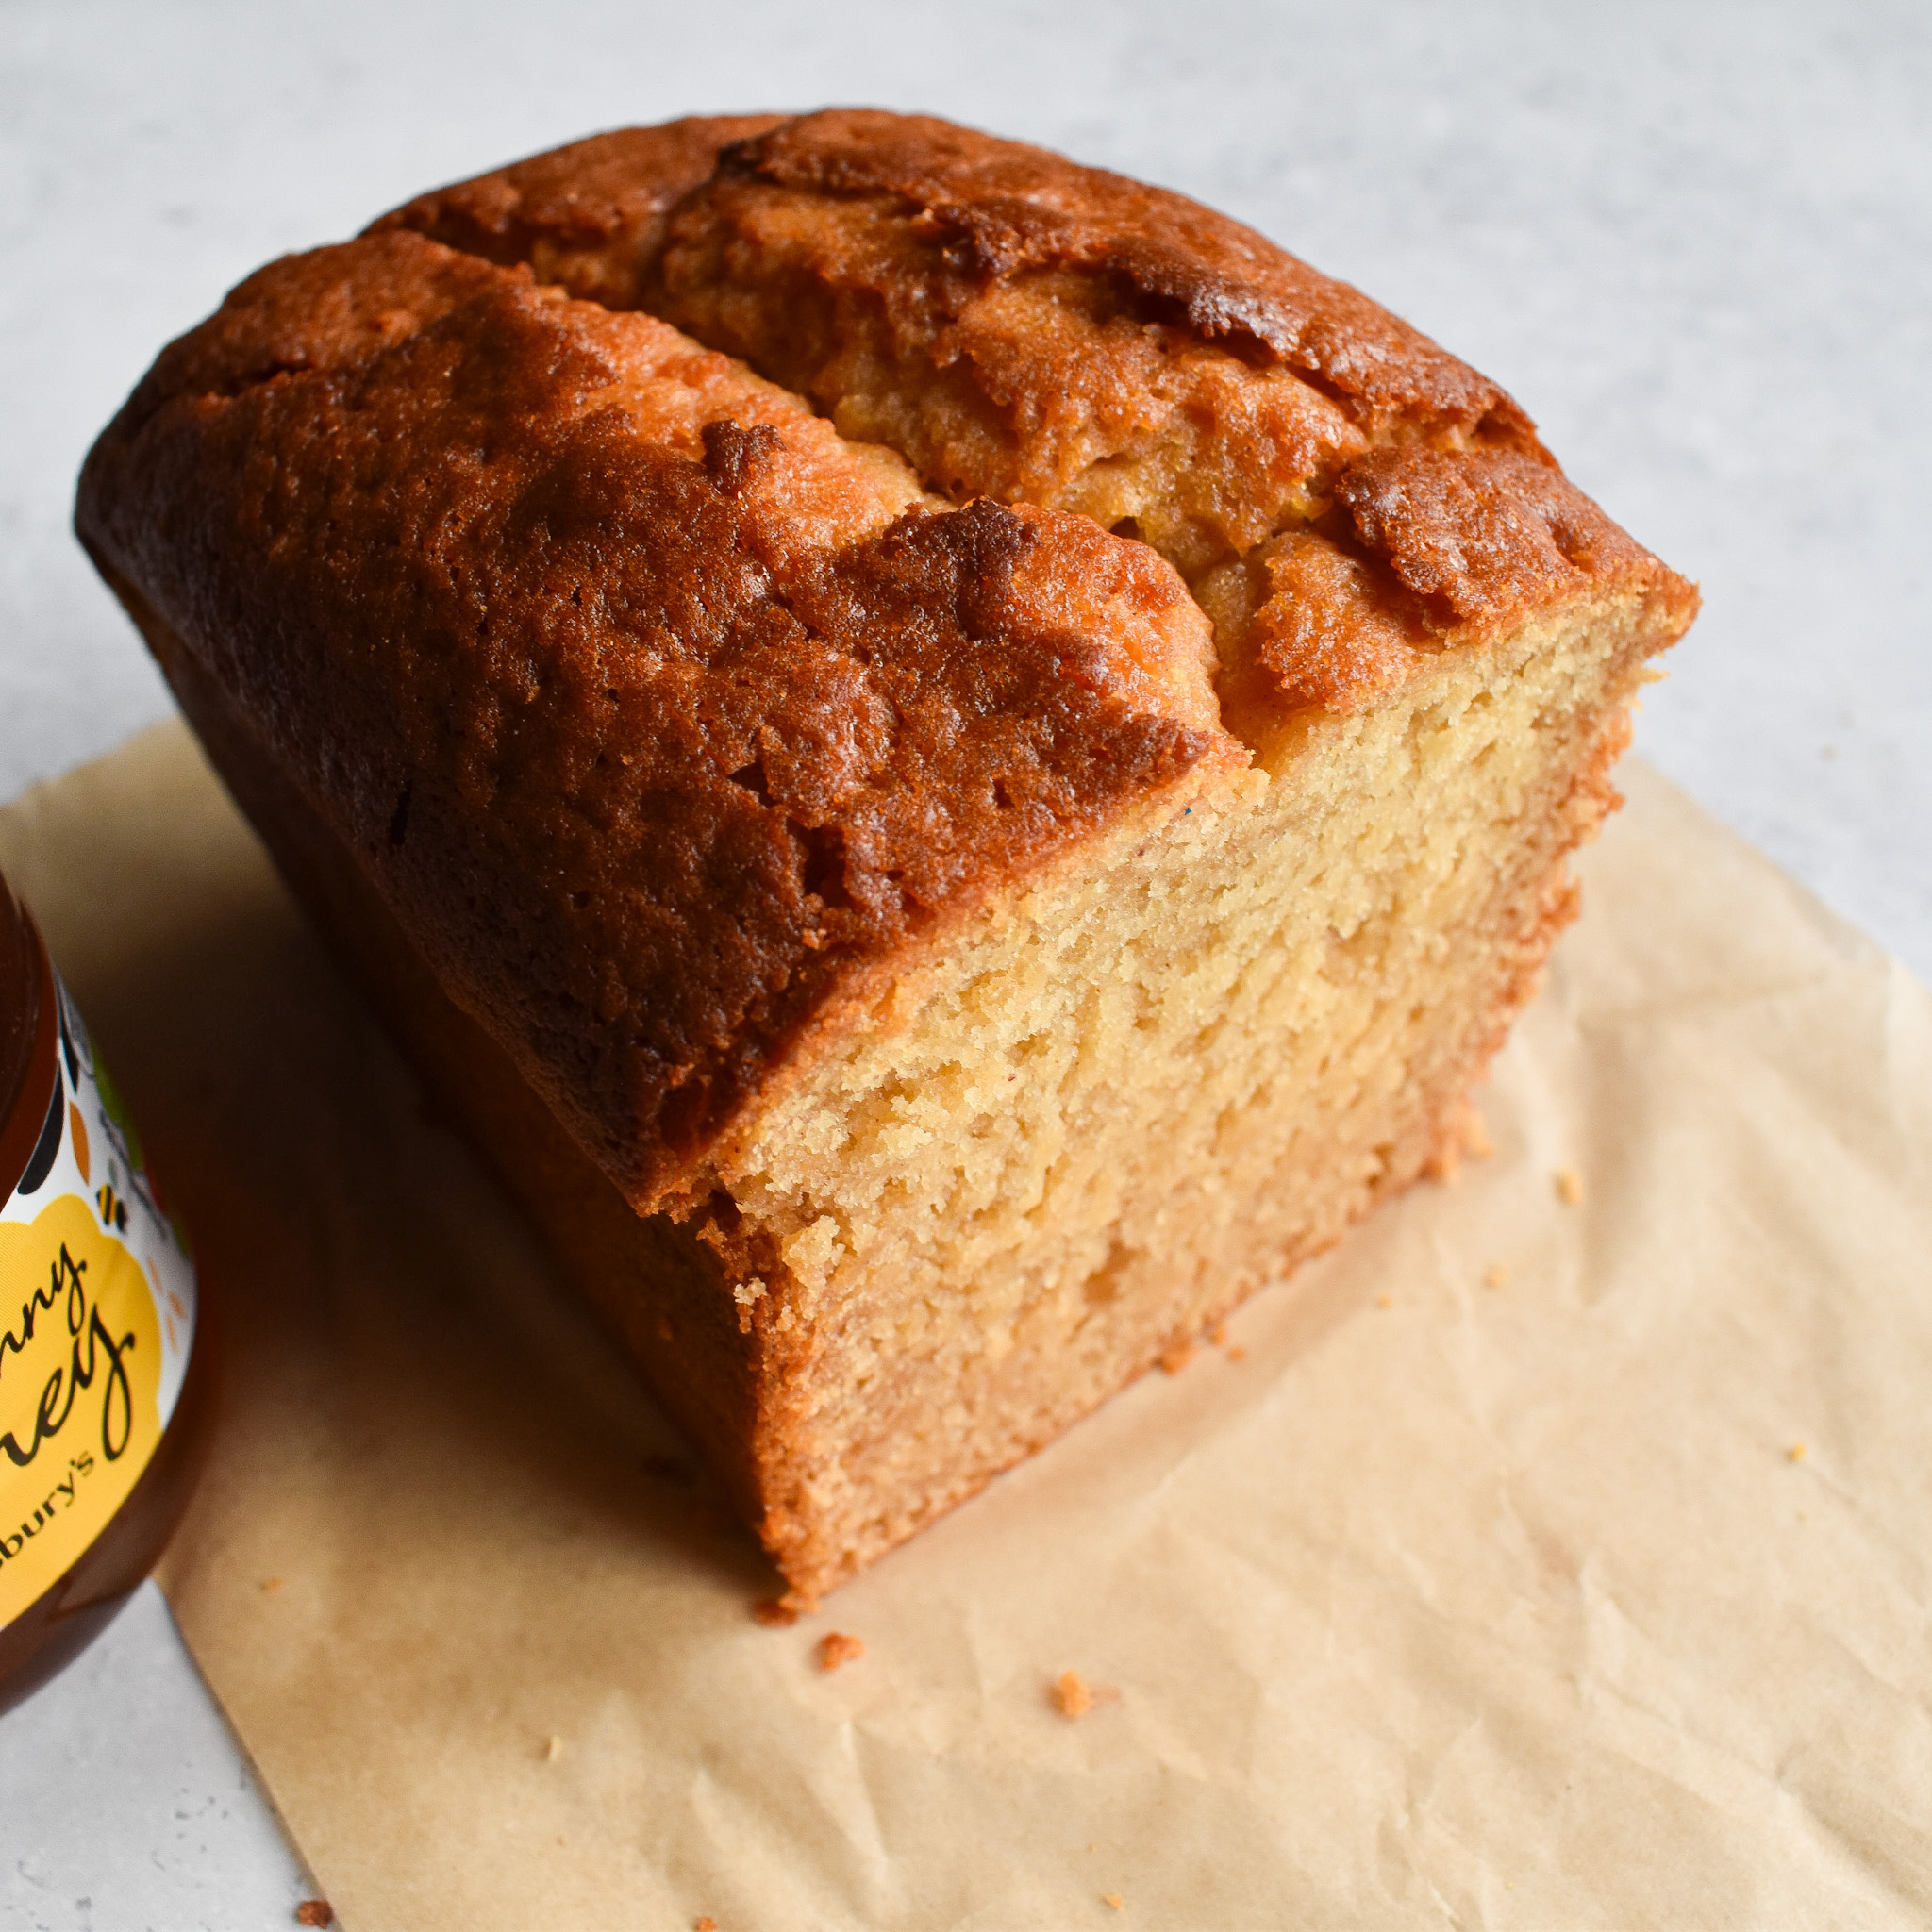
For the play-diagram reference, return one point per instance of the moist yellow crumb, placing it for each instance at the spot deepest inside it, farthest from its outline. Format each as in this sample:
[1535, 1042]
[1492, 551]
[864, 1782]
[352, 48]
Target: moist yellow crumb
[1569, 1186]
[1795, 1453]
[836, 1648]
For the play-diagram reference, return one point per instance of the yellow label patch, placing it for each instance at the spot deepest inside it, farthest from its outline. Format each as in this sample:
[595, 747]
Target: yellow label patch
[80, 1365]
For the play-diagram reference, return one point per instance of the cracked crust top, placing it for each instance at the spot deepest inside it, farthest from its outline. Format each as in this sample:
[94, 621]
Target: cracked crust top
[1025, 328]
[666, 701]
[657, 710]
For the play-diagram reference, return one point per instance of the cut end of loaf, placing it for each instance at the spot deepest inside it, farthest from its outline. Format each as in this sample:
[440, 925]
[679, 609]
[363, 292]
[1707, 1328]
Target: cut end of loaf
[1150, 1084]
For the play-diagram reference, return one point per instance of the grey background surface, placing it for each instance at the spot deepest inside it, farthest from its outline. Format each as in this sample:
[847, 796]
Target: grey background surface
[1696, 243]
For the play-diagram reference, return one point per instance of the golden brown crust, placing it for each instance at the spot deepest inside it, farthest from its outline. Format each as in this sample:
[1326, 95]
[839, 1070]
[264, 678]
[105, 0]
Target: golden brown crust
[1484, 535]
[653, 731]
[1016, 326]
[1021, 328]
[1422, 551]
[1000, 210]
[591, 215]
[976, 212]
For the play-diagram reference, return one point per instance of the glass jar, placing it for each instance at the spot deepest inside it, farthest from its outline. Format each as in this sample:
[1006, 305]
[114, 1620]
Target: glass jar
[106, 1368]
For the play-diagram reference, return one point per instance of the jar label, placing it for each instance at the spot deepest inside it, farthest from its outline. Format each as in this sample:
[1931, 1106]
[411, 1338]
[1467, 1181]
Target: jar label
[97, 1309]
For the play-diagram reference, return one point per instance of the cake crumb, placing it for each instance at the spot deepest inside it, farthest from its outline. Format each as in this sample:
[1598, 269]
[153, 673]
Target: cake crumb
[1795, 1453]
[836, 1648]
[315, 1911]
[1495, 1275]
[1236, 1352]
[1218, 1334]
[553, 1751]
[775, 1613]
[1569, 1186]
[1112, 1901]
[1069, 1695]
[707, 1923]
[270, 1583]
[1072, 1695]
[1177, 1355]
[1385, 1300]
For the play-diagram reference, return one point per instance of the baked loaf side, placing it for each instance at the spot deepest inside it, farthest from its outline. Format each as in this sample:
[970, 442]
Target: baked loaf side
[997, 822]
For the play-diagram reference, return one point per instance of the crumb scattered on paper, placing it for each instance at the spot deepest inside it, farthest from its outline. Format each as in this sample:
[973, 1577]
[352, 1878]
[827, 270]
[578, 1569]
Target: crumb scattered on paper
[1177, 1355]
[1569, 1186]
[707, 1923]
[836, 1648]
[315, 1911]
[1236, 1352]
[1385, 1300]
[1795, 1453]
[1072, 1695]
[1112, 1901]
[1069, 1695]
[1218, 1334]
[1495, 1275]
[775, 1614]
[270, 1583]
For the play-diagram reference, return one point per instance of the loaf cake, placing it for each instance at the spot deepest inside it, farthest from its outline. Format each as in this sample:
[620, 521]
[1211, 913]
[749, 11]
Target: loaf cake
[951, 762]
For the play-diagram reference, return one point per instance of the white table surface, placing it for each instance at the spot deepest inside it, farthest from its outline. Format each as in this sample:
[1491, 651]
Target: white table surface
[1696, 240]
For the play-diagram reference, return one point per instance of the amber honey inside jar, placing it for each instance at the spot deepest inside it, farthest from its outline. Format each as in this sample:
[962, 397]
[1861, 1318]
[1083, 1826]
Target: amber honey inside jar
[104, 1358]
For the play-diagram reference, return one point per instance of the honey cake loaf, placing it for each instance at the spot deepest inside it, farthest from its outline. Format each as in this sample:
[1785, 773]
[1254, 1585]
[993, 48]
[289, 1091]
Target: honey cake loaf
[951, 760]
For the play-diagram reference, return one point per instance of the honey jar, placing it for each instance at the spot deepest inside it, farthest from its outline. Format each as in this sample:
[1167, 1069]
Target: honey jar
[105, 1359]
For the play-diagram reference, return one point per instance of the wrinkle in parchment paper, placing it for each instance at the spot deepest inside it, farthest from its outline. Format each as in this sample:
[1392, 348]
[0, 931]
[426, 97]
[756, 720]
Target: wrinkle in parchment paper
[1526, 1562]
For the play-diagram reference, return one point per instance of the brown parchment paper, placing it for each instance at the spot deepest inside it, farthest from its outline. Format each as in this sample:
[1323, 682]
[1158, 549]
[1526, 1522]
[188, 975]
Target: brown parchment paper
[1596, 1598]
